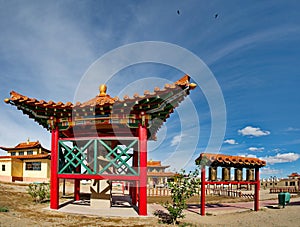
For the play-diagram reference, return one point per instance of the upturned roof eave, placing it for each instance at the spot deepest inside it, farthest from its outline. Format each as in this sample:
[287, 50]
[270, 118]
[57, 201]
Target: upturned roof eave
[43, 112]
[99, 101]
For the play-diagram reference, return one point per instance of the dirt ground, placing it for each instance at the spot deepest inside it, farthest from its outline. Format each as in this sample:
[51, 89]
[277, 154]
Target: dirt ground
[24, 212]
[289, 216]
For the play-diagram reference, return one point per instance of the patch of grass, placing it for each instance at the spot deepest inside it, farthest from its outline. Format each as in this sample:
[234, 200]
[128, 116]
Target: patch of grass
[40, 192]
[4, 209]
[186, 225]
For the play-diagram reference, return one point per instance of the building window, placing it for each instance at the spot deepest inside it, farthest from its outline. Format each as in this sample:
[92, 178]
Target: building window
[3, 167]
[292, 183]
[33, 166]
[13, 153]
[29, 152]
[286, 183]
[21, 152]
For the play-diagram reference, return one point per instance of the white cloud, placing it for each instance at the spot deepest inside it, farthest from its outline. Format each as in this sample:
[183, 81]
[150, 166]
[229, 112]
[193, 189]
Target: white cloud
[276, 150]
[281, 158]
[256, 148]
[249, 41]
[268, 170]
[251, 156]
[252, 131]
[176, 140]
[292, 129]
[230, 141]
[247, 155]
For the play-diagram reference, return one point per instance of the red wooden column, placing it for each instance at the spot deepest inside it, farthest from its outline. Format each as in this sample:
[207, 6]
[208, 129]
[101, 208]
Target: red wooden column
[77, 189]
[54, 181]
[134, 184]
[257, 187]
[143, 170]
[202, 211]
[77, 184]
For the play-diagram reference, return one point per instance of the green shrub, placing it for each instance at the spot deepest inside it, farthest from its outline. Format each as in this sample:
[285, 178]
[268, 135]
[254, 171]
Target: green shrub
[39, 191]
[4, 209]
[184, 187]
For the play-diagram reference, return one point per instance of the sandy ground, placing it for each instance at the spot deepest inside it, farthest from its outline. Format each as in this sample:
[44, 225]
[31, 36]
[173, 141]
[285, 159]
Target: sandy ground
[24, 212]
[288, 216]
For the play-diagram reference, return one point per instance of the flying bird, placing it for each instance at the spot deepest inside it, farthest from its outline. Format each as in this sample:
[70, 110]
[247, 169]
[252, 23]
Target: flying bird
[178, 12]
[216, 16]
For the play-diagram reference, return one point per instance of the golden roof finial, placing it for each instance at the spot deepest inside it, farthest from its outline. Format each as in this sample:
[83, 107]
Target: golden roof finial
[192, 86]
[102, 89]
[6, 100]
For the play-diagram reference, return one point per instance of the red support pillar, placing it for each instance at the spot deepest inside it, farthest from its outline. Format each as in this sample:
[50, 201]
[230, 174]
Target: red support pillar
[257, 187]
[202, 212]
[134, 184]
[133, 192]
[54, 181]
[143, 170]
[77, 184]
[77, 189]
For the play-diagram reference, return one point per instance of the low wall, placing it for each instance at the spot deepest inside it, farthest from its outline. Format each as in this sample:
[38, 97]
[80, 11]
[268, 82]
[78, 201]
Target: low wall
[35, 179]
[6, 178]
[284, 189]
[158, 192]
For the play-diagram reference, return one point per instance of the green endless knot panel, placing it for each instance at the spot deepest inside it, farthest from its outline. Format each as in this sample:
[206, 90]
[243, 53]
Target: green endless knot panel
[96, 156]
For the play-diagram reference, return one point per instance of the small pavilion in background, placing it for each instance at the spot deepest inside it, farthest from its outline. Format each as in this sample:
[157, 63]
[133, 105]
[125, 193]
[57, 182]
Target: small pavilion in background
[104, 139]
[157, 175]
[225, 163]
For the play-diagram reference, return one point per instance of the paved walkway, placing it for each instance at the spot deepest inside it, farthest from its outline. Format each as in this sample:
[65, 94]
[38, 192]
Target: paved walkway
[103, 212]
[121, 208]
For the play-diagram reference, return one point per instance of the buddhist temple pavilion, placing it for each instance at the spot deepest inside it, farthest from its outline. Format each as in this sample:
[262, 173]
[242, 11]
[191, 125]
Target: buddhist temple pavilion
[157, 175]
[28, 161]
[103, 139]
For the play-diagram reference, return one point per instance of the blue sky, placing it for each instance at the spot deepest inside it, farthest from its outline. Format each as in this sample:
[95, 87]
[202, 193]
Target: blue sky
[252, 49]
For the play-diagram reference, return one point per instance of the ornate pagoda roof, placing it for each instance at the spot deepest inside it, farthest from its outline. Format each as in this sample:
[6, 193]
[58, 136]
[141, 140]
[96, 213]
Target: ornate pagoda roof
[294, 175]
[25, 145]
[229, 161]
[104, 112]
[156, 164]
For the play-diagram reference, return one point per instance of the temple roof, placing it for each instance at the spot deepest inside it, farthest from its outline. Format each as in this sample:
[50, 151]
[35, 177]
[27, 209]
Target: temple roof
[25, 145]
[294, 175]
[104, 111]
[157, 164]
[228, 160]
